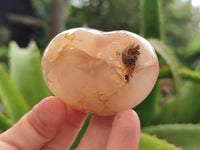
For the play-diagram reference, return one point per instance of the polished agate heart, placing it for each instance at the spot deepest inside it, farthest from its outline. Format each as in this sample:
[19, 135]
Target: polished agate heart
[99, 72]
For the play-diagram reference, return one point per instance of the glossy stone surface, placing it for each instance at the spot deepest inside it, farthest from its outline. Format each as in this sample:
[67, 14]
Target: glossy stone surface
[99, 72]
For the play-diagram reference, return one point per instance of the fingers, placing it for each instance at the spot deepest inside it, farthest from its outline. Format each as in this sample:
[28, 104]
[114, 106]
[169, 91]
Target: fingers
[125, 131]
[37, 127]
[112, 133]
[97, 134]
[68, 132]
[52, 125]
[5, 146]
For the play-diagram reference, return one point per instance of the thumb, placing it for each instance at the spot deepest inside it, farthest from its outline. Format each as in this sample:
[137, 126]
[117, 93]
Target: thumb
[35, 128]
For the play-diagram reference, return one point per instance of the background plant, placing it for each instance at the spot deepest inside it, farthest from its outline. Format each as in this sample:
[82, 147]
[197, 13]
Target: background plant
[172, 109]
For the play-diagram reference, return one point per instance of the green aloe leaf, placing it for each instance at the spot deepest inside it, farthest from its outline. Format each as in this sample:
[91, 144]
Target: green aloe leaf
[185, 74]
[167, 114]
[147, 109]
[151, 10]
[148, 142]
[14, 104]
[81, 133]
[186, 136]
[5, 123]
[166, 53]
[186, 107]
[25, 70]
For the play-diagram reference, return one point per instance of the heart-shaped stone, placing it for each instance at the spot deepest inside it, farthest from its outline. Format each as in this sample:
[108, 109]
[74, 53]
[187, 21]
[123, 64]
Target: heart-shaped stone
[99, 72]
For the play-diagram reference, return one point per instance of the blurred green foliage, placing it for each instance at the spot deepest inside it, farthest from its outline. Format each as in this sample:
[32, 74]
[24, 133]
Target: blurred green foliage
[4, 54]
[172, 109]
[105, 15]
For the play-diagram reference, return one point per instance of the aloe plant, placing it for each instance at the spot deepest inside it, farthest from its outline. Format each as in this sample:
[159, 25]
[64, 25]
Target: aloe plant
[149, 11]
[14, 103]
[25, 64]
[22, 86]
[186, 136]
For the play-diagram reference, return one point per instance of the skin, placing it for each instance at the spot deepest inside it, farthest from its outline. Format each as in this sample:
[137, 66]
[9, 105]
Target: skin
[51, 125]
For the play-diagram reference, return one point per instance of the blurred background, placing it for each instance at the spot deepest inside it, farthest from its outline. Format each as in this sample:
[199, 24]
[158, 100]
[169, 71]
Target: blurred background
[40, 20]
[172, 109]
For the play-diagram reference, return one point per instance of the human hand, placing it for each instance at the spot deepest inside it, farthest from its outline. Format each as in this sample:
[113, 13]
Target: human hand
[51, 125]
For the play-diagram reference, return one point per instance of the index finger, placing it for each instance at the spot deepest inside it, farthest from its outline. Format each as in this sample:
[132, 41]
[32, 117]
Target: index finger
[37, 127]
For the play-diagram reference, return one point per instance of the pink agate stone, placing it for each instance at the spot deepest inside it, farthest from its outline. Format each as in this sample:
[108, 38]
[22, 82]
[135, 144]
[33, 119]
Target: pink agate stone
[99, 72]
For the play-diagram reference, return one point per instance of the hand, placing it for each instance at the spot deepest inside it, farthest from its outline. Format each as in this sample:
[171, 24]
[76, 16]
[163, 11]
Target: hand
[51, 125]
